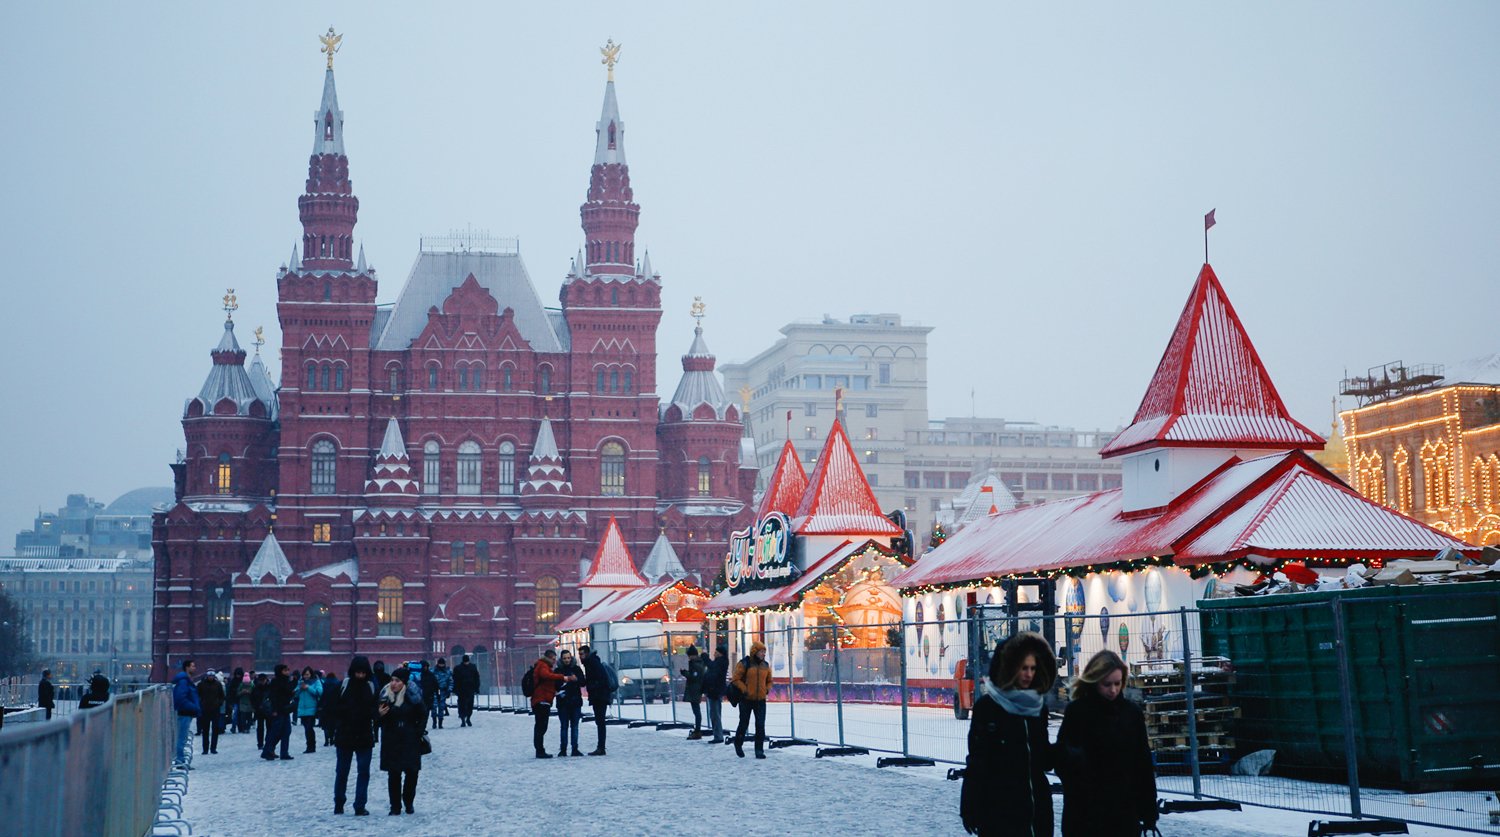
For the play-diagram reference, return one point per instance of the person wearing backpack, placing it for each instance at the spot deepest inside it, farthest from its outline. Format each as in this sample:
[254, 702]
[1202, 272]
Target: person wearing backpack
[466, 686]
[569, 702]
[355, 712]
[601, 682]
[752, 676]
[714, 683]
[544, 682]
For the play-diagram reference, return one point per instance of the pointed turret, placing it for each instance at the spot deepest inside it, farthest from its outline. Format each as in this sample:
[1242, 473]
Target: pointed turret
[699, 385]
[260, 379]
[360, 266]
[609, 133]
[328, 208]
[546, 475]
[838, 500]
[788, 484]
[612, 565]
[269, 560]
[662, 564]
[229, 390]
[610, 214]
[391, 481]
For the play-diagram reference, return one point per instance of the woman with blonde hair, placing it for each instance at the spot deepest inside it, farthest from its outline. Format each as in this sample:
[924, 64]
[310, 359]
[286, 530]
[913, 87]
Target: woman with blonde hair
[1006, 792]
[1104, 757]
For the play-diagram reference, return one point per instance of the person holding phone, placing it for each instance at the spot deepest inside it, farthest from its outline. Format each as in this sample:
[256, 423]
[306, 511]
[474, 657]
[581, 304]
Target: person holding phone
[403, 719]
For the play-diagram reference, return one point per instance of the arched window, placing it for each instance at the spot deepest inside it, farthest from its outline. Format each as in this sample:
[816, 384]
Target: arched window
[388, 606]
[1401, 461]
[463, 377]
[456, 558]
[482, 558]
[544, 380]
[338, 378]
[548, 603]
[507, 378]
[599, 381]
[395, 379]
[612, 469]
[476, 378]
[431, 467]
[704, 474]
[224, 477]
[312, 377]
[1435, 467]
[267, 647]
[324, 467]
[220, 609]
[629, 381]
[614, 380]
[468, 468]
[432, 377]
[318, 629]
[507, 467]
[324, 371]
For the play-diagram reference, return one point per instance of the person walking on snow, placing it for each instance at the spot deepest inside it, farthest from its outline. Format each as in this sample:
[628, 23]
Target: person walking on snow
[279, 704]
[45, 694]
[692, 690]
[185, 702]
[444, 678]
[309, 693]
[542, 695]
[753, 677]
[466, 686]
[1006, 792]
[356, 709]
[211, 716]
[326, 703]
[599, 679]
[569, 702]
[1104, 756]
[715, 681]
[403, 719]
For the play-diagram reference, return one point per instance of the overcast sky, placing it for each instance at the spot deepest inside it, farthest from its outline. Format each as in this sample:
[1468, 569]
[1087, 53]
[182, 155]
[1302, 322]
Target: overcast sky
[1029, 181]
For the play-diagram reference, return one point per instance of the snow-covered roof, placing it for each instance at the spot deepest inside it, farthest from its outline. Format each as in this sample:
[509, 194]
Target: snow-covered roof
[265, 388]
[699, 384]
[544, 472]
[662, 562]
[788, 484]
[323, 141]
[349, 567]
[436, 275]
[1484, 369]
[733, 599]
[1282, 505]
[228, 379]
[838, 500]
[984, 494]
[1210, 388]
[140, 501]
[391, 472]
[620, 605]
[612, 565]
[269, 560]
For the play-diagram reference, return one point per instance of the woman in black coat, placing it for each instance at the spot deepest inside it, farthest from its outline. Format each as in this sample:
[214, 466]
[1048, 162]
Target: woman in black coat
[403, 719]
[1104, 757]
[1006, 792]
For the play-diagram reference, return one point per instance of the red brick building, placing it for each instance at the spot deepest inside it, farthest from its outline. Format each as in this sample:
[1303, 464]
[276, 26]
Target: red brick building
[432, 475]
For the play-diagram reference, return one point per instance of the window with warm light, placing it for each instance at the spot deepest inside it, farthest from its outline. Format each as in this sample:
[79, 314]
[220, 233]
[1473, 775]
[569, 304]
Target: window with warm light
[482, 558]
[705, 473]
[388, 606]
[548, 603]
[219, 610]
[224, 477]
[318, 629]
[612, 469]
[322, 533]
[456, 558]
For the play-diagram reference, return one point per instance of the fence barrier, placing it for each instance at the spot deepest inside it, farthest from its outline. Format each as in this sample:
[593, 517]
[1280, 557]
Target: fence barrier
[93, 771]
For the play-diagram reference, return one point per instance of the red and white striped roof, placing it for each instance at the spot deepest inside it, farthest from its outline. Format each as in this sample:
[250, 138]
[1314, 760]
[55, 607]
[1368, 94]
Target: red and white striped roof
[621, 605]
[838, 500]
[1210, 389]
[612, 565]
[788, 484]
[1283, 505]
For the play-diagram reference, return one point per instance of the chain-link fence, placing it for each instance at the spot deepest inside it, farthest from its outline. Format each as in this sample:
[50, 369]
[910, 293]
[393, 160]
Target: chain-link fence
[1383, 705]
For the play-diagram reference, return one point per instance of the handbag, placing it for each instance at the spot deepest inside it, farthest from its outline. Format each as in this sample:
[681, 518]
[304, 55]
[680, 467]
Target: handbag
[424, 745]
[734, 694]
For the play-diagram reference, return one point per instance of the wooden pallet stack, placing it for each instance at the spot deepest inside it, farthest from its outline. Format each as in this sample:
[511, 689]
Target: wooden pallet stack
[1164, 692]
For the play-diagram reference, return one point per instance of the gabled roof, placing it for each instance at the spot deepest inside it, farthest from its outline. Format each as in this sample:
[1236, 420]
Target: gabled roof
[663, 561]
[1210, 388]
[1283, 505]
[435, 275]
[349, 567]
[983, 494]
[786, 595]
[626, 604]
[838, 500]
[612, 565]
[269, 560]
[788, 484]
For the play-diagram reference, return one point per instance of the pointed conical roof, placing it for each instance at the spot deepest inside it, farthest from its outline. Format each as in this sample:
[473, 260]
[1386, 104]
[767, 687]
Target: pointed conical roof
[1210, 389]
[699, 383]
[612, 565]
[646, 270]
[663, 563]
[269, 560]
[392, 446]
[788, 484]
[260, 379]
[545, 473]
[228, 378]
[390, 476]
[296, 263]
[609, 144]
[328, 122]
[838, 500]
[360, 267]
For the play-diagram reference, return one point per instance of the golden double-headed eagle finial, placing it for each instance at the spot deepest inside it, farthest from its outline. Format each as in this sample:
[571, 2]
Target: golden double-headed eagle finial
[698, 307]
[330, 44]
[231, 303]
[611, 53]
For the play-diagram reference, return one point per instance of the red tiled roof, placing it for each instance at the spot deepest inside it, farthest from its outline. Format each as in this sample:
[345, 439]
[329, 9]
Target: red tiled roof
[613, 566]
[625, 604]
[1282, 505]
[1210, 389]
[788, 484]
[838, 500]
[730, 599]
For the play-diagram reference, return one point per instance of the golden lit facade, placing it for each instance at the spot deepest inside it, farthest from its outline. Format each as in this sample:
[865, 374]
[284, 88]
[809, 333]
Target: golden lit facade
[1434, 455]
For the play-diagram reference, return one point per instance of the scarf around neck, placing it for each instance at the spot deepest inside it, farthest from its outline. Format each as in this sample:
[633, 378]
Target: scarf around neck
[396, 698]
[1024, 702]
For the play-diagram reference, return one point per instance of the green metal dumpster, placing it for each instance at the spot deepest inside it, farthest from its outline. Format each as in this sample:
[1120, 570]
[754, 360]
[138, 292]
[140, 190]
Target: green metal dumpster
[1424, 665]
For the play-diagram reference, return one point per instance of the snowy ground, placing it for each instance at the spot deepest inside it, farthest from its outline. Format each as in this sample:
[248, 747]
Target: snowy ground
[484, 780]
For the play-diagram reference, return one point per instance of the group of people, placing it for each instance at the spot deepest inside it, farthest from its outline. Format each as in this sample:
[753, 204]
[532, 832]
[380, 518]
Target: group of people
[367, 707]
[565, 680]
[1102, 754]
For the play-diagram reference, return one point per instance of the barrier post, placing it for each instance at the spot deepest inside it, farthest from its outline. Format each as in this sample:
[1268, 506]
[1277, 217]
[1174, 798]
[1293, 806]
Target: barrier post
[791, 682]
[838, 683]
[1346, 700]
[905, 698]
[1192, 715]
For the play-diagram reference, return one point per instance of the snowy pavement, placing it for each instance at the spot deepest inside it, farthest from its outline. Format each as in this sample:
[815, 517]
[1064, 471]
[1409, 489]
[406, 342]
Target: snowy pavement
[484, 780]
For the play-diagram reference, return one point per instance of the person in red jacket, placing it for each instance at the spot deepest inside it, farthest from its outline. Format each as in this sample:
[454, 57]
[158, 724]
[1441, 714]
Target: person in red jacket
[542, 696]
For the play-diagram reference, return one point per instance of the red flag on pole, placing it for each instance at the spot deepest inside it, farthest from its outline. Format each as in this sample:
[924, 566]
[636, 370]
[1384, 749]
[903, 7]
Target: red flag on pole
[1208, 220]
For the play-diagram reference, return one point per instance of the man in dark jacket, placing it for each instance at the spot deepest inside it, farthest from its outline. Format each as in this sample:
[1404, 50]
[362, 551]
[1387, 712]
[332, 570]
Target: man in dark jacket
[466, 686]
[280, 696]
[355, 711]
[692, 691]
[542, 696]
[44, 693]
[428, 686]
[714, 680]
[211, 708]
[185, 703]
[596, 679]
[259, 689]
[326, 704]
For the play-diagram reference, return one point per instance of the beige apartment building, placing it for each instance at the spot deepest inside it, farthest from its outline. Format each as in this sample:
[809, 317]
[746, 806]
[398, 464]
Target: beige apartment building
[874, 367]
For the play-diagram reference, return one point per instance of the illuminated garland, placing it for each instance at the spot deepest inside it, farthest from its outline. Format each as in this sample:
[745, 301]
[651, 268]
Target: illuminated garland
[1198, 571]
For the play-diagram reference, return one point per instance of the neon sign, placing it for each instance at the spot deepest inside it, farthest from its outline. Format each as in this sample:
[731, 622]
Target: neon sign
[761, 555]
